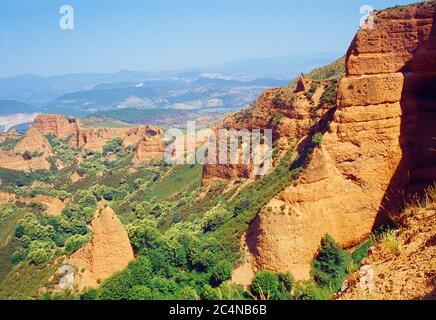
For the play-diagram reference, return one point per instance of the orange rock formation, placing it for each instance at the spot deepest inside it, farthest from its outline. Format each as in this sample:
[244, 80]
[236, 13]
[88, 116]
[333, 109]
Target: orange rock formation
[56, 125]
[379, 145]
[31, 153]
[108, 252]
[149, 141]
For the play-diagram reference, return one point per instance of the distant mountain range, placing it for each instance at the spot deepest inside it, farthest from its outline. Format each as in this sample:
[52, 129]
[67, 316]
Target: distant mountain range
[215, 89]
[8, 107]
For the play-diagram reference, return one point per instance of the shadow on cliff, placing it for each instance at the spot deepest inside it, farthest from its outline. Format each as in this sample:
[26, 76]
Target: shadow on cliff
[417, 168]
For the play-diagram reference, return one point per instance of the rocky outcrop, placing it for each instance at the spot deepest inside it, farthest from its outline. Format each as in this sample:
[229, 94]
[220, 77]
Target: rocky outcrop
[56, 125]
[380, 144]
[149, 150]
[290, 115]
[33, 142]
[16, 162]
[91, 138]
[10, 135]
[96, 138]
[33, 150]
[108, 252]
[29, 154]
[303, 84]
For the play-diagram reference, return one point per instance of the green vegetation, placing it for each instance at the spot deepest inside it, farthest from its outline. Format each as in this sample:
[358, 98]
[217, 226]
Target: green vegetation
[186, 236]
[221, 273]
[215, 218]
[275, 119]
[62, 150]
[317, 139]
[328, 97]
[190, 248]
[23, 282]
[313, 87]
[309, 290]
[113, 146]
[361, 252]
[390, 241]
[330, 268]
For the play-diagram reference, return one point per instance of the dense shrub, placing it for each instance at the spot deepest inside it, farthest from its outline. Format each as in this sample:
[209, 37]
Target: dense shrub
[215, 217]
[113, 146]
[140, 271]
[317, 139]
[202, 259]
[31, 227]
[309, 290]
[75, 242]
[40, 252]
[330, 268]
[116, 287]
[144, 234]
[188, 293]
[61, 149]
[140, 293]
[361, 252]
[221, 272]
[287, 280]
[209, 293]
[265, 284]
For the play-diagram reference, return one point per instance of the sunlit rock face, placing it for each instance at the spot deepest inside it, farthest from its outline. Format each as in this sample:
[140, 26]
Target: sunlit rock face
[108, 252]
[379, 148]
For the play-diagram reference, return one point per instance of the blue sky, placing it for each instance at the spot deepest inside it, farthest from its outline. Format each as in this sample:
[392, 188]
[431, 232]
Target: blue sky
[110, 35]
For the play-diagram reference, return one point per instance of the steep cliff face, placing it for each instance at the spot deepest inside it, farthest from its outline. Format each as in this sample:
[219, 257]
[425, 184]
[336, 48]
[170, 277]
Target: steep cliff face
[56, 125]
[379, 145]
[108, 252]
[149, 149]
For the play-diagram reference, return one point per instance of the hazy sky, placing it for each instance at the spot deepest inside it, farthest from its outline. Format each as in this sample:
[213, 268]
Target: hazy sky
[110, 35]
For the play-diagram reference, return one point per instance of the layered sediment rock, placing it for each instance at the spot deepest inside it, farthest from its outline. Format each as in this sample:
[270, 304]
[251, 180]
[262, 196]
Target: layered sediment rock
[380, 145]
[56, 125]
[149, 149]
